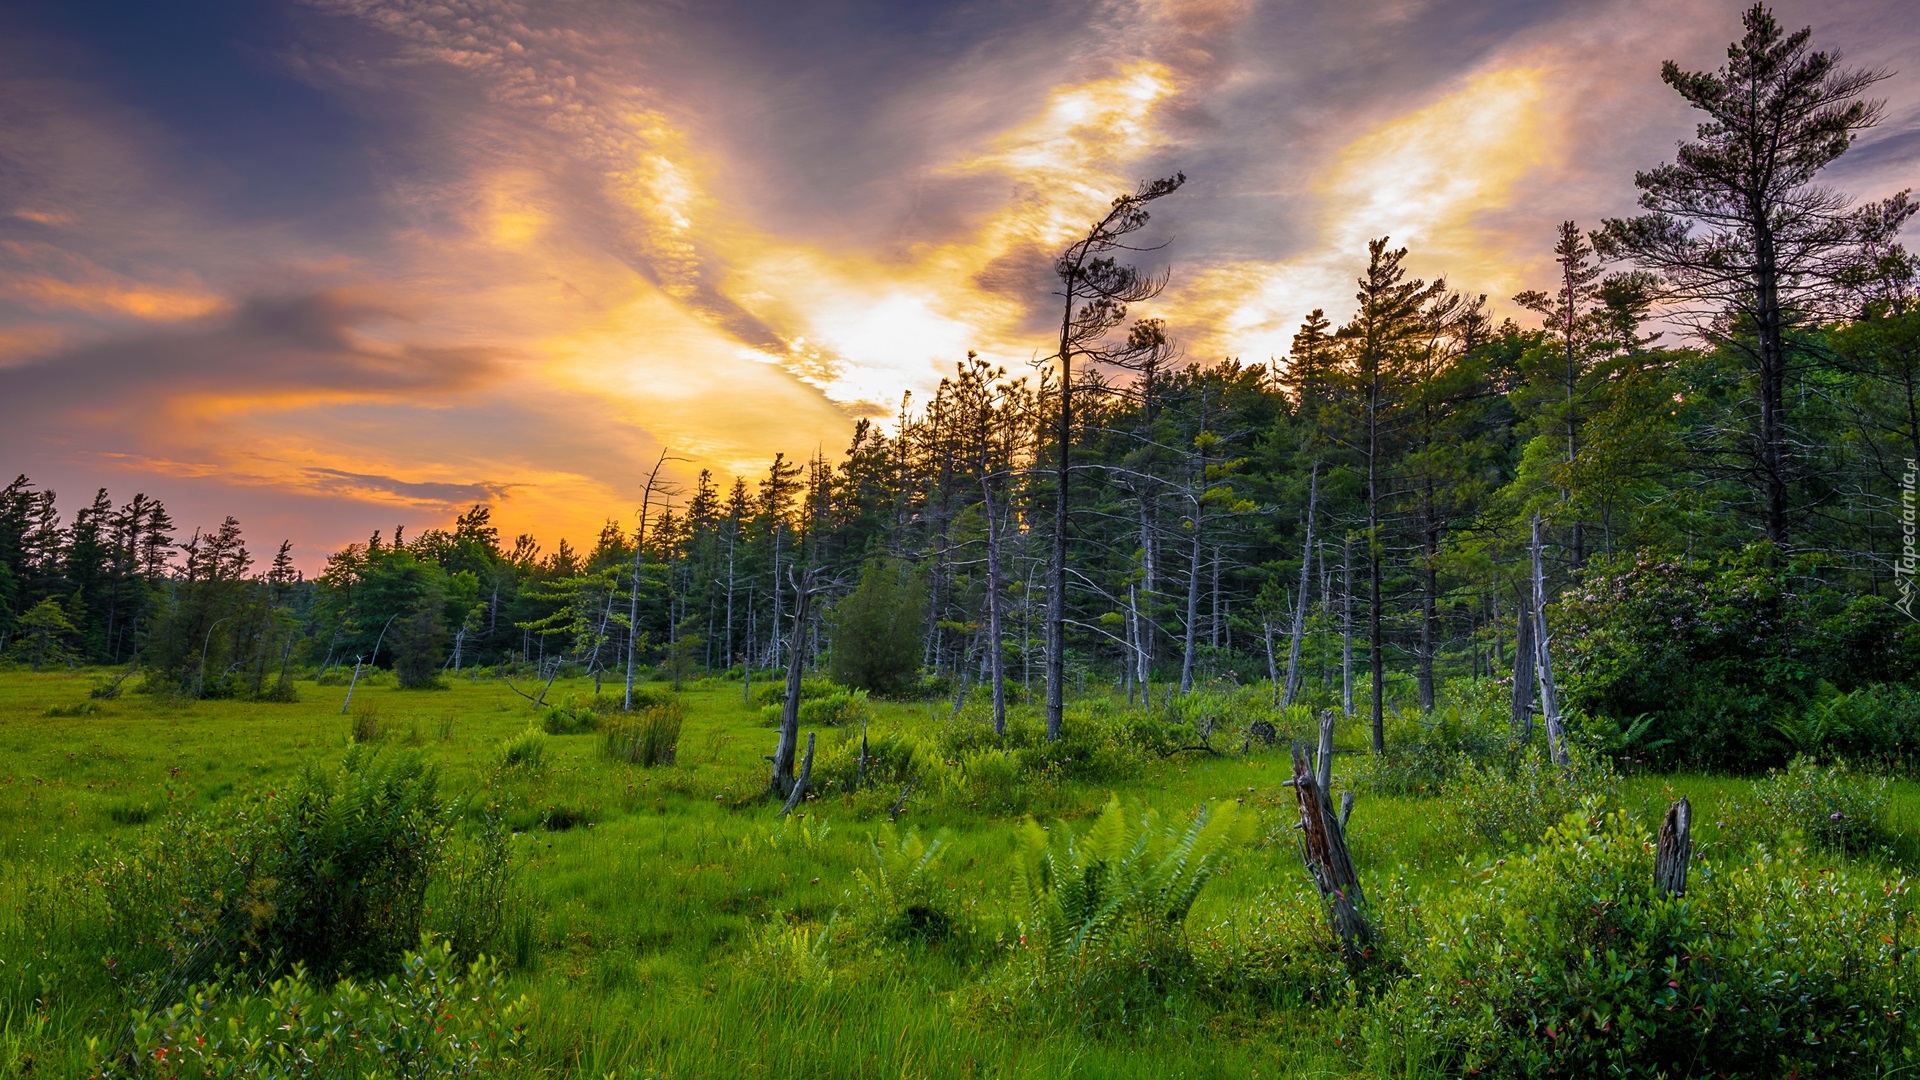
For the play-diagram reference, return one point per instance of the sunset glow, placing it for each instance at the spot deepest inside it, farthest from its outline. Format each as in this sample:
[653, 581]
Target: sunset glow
[361, 263]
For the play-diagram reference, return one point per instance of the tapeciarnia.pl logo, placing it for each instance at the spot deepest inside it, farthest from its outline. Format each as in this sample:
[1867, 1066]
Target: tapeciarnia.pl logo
[1903, 567]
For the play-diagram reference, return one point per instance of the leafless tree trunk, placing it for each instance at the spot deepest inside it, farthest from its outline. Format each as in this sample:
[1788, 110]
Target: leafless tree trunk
[1549, 701]
[996, 647]
[654, 485]
[1324, 849]
[783, 782]
[1346, 627]
[1300, 604]
[1675, 849]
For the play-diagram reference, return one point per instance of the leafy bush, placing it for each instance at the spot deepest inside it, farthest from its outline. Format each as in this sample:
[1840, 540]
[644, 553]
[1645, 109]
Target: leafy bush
[1716, 654]
[1835, 807]
[649, 737]
[1882, 720]
[332, 875]
[433, 1018]
[1518, 802]
[892, 758]
[526, 751]
[811, 686]
[1566, 961]
[1424, 753]
[569, 721]
[645, 696]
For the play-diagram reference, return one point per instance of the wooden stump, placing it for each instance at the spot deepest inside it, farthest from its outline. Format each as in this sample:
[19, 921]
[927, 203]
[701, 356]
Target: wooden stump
[1675, 849]
[1324, 848]
[800, 786]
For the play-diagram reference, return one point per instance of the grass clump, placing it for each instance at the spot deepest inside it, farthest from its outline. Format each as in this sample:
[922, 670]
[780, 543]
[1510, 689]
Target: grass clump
[649, 737]
[78, 708]
[525, 752]
[900, 899]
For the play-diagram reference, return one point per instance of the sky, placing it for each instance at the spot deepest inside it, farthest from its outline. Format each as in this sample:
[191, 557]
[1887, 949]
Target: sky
[332, 266]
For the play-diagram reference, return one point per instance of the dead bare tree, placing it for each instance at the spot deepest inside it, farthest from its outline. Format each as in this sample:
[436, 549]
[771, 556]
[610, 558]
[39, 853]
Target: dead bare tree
[1300, 603]
[656, 485]
[1543, 659]
[1324, 849]
[1675, 849]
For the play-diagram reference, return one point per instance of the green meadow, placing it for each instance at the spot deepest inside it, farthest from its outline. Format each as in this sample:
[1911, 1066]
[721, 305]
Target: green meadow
[665, 922]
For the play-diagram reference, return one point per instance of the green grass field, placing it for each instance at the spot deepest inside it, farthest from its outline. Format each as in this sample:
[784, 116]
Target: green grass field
[645, 895]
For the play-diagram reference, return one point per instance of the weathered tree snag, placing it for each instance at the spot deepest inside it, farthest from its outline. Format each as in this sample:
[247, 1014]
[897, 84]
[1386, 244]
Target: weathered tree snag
[1346, 810]
[1549, 700]
[1323, 759]
[899, 804]
[1324, 849]
[782, 782]
[1675, 850]
[1300, 604]
[800, 786]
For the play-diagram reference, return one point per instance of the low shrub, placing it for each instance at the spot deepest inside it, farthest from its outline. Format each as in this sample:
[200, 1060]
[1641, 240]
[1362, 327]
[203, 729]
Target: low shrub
[1520, 801]
[811, 686]
[1425, 752]
[646, 738]
[1878, 721]
[892, 758]
[78, 708]
[331, 874]
[569, 721]
[1835, 807]
[433, 1018]
[1567, 961]
[525, 752]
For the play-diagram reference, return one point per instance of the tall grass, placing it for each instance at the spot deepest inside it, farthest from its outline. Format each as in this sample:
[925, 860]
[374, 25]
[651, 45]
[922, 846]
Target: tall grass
[650, 737]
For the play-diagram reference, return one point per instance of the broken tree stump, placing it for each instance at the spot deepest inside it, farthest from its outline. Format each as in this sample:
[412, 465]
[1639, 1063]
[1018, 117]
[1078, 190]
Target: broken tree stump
[1675, 849]
[800, 786]
[1324, 849]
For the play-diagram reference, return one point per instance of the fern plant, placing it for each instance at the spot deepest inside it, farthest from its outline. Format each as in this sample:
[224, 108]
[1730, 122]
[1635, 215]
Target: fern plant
[1127, 870]
[899, 892]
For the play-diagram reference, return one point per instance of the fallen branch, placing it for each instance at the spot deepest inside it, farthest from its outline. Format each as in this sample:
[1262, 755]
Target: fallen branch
[900, 803]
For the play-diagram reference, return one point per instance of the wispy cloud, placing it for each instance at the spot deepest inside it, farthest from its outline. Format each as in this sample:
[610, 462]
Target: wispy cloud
[593, 230]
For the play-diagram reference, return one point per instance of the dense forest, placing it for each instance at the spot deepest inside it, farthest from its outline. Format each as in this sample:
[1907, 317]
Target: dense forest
[1690, 462]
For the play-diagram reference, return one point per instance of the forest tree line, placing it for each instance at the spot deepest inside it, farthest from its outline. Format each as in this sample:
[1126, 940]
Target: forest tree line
[1710, 416]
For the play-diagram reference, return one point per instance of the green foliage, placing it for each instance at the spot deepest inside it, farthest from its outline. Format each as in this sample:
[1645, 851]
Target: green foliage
[1101, 914]
[1516, 802]
[1425, 753]
[1834, 806]
[1566, 961]
[433, 1018]
[1877, 721]
[1716, 655]
[899, 896]
[811, 686]
[525, 752]
[893, 758]
[877, 628]
[472, 897]
[1075, 894]
[331, 874]
[646, 738]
